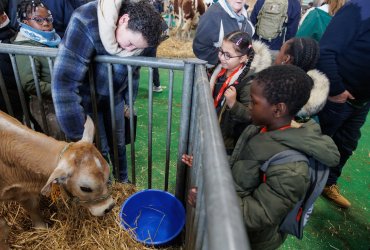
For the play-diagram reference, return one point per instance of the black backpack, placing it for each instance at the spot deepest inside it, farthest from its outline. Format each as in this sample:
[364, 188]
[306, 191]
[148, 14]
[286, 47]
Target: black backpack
[296, 219]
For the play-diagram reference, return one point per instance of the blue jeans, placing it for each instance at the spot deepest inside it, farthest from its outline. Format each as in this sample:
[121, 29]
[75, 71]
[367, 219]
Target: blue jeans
[342, 122]
[106, 136]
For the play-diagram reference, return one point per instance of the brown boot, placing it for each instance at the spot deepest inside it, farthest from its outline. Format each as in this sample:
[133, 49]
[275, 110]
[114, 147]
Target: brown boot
[332, 193]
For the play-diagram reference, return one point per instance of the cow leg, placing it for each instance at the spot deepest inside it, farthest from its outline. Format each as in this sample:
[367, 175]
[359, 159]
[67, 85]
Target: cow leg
[4, 232]
[186, 30]
[32, 206]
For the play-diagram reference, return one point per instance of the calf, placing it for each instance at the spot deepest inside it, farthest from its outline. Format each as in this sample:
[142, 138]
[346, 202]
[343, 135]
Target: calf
[30, 162]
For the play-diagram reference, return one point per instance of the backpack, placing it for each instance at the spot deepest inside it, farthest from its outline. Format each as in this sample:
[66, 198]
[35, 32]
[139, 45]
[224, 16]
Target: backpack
[297, 218]
[271, 18]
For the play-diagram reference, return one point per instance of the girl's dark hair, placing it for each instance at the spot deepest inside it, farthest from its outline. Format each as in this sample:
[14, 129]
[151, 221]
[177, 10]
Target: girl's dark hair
[242, 43]
[144, 19]
[305, 52]
[27, 7]
[285, 83]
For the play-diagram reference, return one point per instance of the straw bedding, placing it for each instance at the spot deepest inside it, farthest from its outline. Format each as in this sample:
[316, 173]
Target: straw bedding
[70, 226]
[175, 48]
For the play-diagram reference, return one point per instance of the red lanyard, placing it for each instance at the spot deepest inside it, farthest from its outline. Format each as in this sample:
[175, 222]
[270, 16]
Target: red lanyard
[224, 85]
[264, 129]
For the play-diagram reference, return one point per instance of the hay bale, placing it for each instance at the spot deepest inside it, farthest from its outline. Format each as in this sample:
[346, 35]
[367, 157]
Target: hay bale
[175, 48]
[71, 226]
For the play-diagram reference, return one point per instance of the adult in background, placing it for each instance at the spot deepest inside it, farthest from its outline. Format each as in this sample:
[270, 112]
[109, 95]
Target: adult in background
[220, 19]
[344, 58]
[276, 28]
[315, 21]
[101, 28]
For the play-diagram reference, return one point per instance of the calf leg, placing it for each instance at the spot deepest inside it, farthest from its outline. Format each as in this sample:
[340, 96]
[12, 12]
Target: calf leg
[32, 206]
[4, 232]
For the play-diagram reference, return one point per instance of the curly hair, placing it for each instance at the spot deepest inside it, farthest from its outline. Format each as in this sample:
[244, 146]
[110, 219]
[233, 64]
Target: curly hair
[288, 84]
[144, 19]
[27, 7]
[242, 43]
[305, 52]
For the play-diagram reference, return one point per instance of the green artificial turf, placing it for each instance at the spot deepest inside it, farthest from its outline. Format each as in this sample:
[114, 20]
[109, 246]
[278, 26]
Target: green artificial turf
[329, 226]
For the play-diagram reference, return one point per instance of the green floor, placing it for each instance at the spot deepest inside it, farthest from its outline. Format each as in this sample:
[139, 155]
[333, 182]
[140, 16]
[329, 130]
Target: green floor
[328, 228]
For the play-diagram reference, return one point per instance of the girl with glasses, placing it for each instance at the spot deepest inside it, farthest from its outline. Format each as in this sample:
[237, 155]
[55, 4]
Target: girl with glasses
[36, 29]
[229, 83]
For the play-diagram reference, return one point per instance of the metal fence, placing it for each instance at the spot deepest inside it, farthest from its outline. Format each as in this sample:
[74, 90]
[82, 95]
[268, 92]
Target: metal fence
[216, 222]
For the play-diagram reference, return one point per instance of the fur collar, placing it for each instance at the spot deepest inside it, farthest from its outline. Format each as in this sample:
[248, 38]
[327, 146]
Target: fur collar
[107, 18]
[319, 94]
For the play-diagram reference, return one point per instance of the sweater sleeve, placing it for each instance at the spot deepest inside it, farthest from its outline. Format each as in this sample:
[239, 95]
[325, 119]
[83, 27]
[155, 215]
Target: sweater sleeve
[337, 37]
[294, 15]
[206, 35]
[71, 66]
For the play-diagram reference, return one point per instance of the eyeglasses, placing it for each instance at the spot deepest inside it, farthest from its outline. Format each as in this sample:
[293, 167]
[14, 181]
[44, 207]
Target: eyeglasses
[41, 20]
[226, 55]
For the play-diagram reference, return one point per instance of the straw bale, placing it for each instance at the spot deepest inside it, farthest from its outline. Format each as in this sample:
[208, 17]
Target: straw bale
[175, 48]
[70, 226]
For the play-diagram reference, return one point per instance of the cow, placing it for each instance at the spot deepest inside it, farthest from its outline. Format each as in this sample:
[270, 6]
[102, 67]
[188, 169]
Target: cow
[30, 162]
[188, 13]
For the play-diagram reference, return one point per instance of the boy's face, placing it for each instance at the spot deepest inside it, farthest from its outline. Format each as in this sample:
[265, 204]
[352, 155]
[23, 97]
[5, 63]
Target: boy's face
[40, 19]
[127, 39]
[261, 110]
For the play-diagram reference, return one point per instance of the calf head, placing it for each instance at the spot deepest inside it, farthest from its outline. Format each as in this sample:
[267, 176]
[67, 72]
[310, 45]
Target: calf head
[83, 173]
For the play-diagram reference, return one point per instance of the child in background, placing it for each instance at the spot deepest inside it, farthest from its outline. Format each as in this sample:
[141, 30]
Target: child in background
[36, 29]
[230, 83]
[278, 93]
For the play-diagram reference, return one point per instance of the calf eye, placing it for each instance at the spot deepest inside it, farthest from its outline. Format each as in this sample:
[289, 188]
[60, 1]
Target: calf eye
[86, 189]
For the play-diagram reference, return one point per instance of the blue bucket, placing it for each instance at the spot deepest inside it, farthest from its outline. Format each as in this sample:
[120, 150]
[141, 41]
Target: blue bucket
[155, 217]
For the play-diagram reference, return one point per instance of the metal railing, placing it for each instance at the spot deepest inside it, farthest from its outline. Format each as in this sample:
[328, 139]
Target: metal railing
[216, 222]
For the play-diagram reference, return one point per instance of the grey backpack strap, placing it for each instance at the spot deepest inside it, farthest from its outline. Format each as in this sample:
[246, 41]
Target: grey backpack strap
[283, 157]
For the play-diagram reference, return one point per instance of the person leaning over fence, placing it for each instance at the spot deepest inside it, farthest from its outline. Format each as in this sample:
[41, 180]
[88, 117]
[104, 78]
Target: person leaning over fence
[36, 29]
[230, 82]
[278, 93]
[101, 28]
[221, 18]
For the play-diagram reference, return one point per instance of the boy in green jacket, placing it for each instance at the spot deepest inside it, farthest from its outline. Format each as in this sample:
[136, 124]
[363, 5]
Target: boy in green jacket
[278, 93]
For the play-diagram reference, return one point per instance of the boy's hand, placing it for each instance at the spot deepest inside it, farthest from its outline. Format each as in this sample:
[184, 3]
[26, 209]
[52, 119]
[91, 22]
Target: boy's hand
[187, 159]
[192, 196]
[230, 95]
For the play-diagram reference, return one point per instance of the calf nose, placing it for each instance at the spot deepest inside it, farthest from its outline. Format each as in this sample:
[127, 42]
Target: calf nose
[109, 209]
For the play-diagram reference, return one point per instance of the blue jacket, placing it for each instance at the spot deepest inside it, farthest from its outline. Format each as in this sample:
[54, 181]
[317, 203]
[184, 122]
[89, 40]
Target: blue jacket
[70, 87]
[214, 24]
[345, 50]
[294, 15]
[60, 9]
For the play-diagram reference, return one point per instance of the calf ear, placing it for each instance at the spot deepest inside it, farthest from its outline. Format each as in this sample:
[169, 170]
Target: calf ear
[88, 135]
[59, 175]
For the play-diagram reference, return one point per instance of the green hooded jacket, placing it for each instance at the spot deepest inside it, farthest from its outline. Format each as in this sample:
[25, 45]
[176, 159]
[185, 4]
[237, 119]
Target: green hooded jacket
[265, 204]
[314, 25]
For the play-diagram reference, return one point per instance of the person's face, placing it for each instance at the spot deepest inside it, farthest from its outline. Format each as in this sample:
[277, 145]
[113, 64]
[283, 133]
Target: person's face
[229, 58]
[283, 57]
[236, 5]
[40, 19]
[127, 39]
[3, 18]
[261, 110]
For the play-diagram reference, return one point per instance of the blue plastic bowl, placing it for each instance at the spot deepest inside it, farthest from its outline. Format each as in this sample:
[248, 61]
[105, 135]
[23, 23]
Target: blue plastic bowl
[155, 217]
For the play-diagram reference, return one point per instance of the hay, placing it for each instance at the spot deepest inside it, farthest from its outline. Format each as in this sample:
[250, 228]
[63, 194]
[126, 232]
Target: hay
[175, 48]
[71, 227]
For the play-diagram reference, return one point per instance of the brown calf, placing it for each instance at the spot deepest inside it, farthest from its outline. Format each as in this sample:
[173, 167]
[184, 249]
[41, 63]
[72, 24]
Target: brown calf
[30, 162]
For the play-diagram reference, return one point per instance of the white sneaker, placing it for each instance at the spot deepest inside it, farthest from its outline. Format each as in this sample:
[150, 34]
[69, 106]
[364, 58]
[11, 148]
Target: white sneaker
[157, 89]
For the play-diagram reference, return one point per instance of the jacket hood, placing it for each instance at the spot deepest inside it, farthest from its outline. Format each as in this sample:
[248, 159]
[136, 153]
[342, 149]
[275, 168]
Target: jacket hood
[262, 59]
[311, 142]
[107, 18]
[318, 96]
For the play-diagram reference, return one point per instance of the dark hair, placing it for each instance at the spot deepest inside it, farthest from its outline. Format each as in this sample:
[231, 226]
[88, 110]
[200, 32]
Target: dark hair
[27, 7]
[242, 43]
[305, 52]
[144, 19]
[2, 8]
[285, 83]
